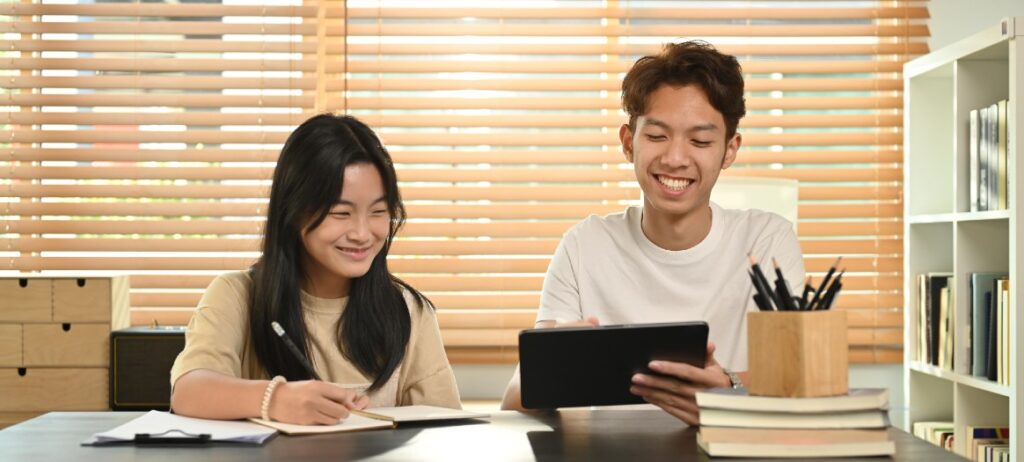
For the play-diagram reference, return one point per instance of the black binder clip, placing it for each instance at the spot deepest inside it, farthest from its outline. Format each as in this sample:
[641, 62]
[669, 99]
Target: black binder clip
[165, 438]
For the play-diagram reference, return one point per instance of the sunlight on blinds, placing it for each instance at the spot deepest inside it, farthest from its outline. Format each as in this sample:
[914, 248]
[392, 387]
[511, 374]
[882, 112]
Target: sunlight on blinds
[140, 137]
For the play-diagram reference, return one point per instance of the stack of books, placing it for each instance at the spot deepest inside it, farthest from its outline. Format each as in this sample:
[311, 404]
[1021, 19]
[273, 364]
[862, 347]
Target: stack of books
[735, 424]
[984, 443]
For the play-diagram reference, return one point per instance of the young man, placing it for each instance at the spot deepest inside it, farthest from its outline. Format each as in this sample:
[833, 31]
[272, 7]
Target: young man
[679, 257]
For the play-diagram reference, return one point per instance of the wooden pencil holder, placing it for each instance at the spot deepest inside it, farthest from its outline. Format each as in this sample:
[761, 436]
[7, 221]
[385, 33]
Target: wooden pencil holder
[797, 353]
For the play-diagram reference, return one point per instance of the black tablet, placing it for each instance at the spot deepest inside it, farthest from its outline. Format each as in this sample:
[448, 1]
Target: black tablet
[594, 366]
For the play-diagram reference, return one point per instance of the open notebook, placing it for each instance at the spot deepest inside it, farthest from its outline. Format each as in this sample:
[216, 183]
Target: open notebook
[379, 417]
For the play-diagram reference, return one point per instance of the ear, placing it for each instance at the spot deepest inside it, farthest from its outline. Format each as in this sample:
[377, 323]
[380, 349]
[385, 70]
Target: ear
[626, 138]
[731, 148]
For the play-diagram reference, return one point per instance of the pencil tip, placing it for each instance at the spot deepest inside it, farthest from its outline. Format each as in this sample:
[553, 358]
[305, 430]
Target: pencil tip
[775, 262]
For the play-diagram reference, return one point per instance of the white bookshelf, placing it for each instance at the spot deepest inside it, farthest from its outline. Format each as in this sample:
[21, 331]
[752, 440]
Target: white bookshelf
[941, 234]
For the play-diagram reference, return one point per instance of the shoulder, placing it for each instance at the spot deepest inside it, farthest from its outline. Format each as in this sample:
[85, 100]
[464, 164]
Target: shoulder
[755, 221]
[603, 226]
[227, 293]
[234, 283]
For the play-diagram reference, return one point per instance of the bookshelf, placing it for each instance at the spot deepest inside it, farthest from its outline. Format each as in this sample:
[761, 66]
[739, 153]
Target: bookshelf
[943, 234]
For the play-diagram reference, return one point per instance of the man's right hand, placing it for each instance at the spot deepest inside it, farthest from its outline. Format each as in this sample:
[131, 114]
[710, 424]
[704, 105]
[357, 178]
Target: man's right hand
[312, 402]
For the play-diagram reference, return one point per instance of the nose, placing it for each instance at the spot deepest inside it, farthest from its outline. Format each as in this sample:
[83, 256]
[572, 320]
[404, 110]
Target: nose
[677, 156]
[360, 231]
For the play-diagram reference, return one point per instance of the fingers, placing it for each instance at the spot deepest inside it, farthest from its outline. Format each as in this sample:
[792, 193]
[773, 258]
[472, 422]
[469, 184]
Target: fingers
[361, 402]
[680, 407]
[667, 384]
[332, 409]
[710, 360]
[323, 418]
[338, 394]
[709, 377]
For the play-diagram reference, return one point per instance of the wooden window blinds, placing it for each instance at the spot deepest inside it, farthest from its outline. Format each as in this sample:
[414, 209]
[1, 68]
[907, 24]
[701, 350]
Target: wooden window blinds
[141, 137]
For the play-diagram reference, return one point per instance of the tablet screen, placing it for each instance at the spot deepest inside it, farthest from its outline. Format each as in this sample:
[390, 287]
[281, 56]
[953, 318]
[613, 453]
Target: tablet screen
[594, 366]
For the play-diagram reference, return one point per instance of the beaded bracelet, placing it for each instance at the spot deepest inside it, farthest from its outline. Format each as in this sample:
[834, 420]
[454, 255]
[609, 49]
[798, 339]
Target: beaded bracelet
[265, 405]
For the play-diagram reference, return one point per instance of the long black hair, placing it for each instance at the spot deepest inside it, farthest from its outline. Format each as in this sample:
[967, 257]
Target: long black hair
[375, 326]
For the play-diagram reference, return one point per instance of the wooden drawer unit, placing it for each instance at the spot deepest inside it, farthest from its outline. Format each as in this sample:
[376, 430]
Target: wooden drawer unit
[46, 389]
[25, 300]
[66, 345]
[88, 300]
[55, 342]
[10, 345]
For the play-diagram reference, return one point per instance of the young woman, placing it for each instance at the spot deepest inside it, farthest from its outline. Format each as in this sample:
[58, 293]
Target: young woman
[323, 276]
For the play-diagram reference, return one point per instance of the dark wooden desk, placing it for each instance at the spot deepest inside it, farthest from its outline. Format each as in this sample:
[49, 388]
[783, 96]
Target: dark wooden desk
[635, 435]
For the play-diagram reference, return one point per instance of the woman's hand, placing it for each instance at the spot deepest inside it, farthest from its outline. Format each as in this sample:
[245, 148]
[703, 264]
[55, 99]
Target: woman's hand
[312, 402]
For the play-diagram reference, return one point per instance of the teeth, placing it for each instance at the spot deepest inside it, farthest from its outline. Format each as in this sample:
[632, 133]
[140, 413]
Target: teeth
[673, 183]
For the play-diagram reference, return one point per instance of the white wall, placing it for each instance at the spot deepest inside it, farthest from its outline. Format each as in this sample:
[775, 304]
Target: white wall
[952, 20]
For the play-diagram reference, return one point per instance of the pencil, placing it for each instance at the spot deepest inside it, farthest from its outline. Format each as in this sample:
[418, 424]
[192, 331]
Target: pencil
[833, 291]
[756, 269]
[762, 303]
[824, 284]
[807, 291]
[782, 287]
[294, 349]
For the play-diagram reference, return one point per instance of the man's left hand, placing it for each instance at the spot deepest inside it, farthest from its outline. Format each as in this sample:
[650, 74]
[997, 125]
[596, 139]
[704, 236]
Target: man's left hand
[674, 388]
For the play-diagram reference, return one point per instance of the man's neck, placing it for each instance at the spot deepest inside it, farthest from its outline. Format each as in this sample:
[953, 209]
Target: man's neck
[676, 232]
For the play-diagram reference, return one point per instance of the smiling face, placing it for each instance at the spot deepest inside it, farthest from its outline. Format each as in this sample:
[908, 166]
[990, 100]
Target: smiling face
[678, 148]
[345, 243]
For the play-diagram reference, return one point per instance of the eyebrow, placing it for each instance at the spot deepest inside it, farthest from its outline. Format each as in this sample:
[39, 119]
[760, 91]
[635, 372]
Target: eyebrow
[353, 204]
[697, 128]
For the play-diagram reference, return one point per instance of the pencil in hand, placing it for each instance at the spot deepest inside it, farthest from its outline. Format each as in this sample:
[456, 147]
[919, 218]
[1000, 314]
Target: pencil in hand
[301, 358]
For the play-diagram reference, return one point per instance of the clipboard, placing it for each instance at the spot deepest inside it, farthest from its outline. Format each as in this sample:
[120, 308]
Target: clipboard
[157, 428]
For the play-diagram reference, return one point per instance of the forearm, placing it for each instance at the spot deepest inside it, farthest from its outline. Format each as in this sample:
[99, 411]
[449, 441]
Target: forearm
[513, 400]
[211, 395]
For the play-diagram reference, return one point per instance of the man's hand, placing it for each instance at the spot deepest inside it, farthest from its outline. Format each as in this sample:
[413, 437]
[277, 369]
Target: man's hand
[674, 388]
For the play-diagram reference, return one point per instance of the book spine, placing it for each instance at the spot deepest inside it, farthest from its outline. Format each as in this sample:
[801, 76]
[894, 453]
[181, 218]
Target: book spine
[973, 146]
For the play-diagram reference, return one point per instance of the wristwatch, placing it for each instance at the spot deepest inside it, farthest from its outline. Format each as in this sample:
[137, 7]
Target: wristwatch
[733, 379]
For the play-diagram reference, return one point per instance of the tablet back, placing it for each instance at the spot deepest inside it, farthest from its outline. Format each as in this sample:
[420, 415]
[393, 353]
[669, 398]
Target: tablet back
[594, 366]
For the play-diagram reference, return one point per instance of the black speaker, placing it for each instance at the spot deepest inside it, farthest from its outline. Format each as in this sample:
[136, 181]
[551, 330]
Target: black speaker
[140, 367]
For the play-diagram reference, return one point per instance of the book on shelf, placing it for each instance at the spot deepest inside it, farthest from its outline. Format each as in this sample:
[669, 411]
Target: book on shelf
[975, 172]
[990, 450]
[997, 349]
[935, 432]
[931, 325]
[985, 435]
[987, 149]
[758, 442]
[982, 286]
[1003, 339]
[945, 329]
[857, 399]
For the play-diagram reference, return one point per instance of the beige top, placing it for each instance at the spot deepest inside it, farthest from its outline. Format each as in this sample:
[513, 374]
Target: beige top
[217, 339]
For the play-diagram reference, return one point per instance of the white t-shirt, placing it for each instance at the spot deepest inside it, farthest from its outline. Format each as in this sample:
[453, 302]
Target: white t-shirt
[607, 268]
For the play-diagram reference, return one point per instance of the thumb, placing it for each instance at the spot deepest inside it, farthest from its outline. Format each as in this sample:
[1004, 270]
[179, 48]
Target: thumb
[709, 360]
